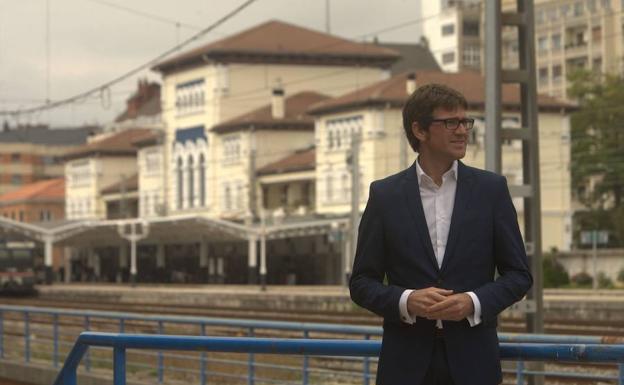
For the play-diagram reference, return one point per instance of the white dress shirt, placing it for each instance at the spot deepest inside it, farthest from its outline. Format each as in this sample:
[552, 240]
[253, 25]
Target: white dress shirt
[438, 202]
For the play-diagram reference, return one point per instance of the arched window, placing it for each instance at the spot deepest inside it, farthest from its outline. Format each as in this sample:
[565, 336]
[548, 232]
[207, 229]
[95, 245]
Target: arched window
[228, 198]
[191, 182]
[202, 180]
[180, 183]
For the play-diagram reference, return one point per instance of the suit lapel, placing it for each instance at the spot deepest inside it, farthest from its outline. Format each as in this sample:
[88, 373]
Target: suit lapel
[462, 198]
[411, 190]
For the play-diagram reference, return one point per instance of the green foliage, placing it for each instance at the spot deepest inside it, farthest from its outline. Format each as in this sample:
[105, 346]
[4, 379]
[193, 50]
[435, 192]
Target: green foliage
[604, 282]
[555, 274]
[597, 142]
[620, 276]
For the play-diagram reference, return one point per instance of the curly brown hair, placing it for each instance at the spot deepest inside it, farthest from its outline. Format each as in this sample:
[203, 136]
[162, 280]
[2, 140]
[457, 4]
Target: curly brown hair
[423, 102]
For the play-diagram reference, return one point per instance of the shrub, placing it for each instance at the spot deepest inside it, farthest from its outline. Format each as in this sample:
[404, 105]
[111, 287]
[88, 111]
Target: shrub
[604, 282]
[555, 274]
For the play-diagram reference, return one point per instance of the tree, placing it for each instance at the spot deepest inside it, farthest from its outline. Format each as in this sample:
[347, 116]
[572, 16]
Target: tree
[597, 134]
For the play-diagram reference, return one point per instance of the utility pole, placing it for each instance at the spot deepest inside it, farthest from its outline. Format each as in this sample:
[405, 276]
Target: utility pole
[524, 77]
[354, 161]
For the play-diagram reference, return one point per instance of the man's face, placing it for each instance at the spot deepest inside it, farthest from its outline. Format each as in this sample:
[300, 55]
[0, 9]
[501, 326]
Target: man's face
[441, 142]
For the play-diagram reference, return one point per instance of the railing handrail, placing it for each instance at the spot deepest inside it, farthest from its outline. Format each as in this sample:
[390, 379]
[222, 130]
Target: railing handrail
[297, 326]
[366, 348]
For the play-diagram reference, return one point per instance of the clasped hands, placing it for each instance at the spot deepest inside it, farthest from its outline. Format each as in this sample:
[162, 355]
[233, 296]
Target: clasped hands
[434, 303]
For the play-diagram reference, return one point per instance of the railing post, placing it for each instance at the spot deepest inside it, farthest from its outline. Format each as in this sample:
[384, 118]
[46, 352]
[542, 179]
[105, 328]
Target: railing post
[250, 373]
[306, 362]
[621, 374]
[1, 334]
[520, 373]
[87, 358]
[122, 325]
[203, 362]
[119, 365]
[26, 336]
[367, 365]
[159, 369]
[55, 333]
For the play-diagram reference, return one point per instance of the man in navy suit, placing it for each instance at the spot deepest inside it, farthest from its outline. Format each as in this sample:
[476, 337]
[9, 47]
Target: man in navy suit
[429, 242]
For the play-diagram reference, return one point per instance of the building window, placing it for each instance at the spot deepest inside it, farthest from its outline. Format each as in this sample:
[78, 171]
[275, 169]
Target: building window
[227, 198]
[190, 96]
[578, 8]
[591, 6]
[329, 188]
[470, 28]
[80, 173]
[231, 148]
[543, 75]
[180, 173]
[21, 216]
[345, 187]
[339, 131]
[448, 29]
[202, 180]
[16, 157]
[472, 56]
[556, 42]
[552, 14]
[240, 195]
[556, 73]
[191, 182]
[597, 34]
[448, 58]
[542, 44]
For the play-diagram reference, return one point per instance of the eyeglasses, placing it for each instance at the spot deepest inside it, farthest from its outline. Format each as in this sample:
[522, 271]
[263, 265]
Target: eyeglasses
[453, 123]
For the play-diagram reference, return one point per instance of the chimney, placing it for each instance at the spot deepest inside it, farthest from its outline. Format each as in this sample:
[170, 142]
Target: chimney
[277, 103]
[410, 84]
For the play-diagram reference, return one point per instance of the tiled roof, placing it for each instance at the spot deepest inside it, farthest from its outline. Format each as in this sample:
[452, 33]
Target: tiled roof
[393, 91]
[119, 143]
[49, 189]
[131, 184]
[295, 116]
[279, 42]
[301, 160]
[50, 136]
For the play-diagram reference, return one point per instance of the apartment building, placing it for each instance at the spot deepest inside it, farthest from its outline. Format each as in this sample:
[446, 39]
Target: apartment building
[453, 32]
[33, 153]
[573, 34]
[569, 34]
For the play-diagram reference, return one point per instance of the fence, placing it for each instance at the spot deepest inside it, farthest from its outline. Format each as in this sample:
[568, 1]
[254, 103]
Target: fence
[53, 332]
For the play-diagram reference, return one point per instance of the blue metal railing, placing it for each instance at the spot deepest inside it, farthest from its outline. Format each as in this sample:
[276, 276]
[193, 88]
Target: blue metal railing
[121, 342]
[58, 339]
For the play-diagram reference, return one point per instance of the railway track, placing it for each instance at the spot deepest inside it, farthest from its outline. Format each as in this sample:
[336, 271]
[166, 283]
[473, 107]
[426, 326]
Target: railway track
[506, 324]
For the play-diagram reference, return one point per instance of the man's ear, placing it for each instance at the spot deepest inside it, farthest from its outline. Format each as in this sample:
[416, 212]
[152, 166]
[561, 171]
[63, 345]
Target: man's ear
[418, 132]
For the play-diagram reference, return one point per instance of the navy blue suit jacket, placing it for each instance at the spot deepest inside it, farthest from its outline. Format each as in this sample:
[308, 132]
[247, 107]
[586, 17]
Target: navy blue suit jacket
[394, 242]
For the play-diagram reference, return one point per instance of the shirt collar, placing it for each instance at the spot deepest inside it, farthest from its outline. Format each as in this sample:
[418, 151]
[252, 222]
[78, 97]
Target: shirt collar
[451, 171]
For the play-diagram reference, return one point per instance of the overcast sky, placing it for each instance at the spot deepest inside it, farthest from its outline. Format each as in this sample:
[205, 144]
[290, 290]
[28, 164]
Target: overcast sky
[94, 41]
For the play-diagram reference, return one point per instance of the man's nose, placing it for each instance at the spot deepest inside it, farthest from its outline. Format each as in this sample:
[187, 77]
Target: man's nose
[461, 129]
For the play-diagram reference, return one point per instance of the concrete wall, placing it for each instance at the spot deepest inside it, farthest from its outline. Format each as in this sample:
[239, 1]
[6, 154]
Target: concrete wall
[608, 261]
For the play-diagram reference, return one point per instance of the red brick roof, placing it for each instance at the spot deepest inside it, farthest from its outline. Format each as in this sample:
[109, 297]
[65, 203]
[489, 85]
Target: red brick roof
[278, 42]
[393, 91]
[45, 190]
[131, 184]
[295, 116]
[301, 160]
[120, 143]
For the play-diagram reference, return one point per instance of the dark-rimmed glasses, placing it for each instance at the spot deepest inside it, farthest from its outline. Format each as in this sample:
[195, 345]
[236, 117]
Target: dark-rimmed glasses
[453, 123]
